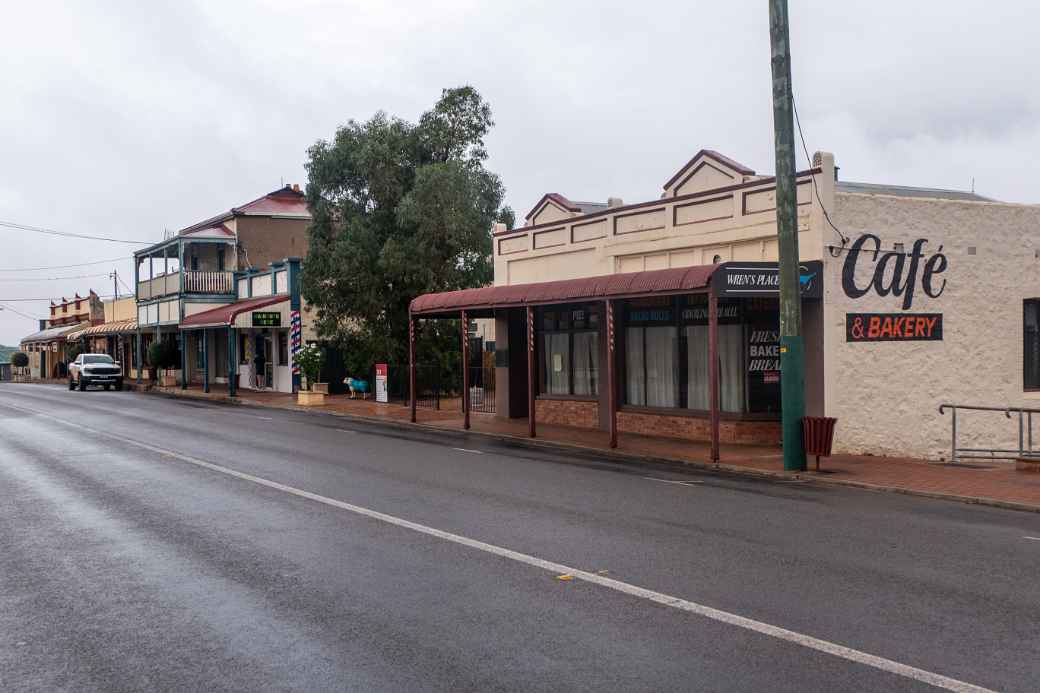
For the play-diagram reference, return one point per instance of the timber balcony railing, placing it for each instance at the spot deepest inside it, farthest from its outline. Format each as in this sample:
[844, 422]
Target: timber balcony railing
[198, 282]
[195, 282]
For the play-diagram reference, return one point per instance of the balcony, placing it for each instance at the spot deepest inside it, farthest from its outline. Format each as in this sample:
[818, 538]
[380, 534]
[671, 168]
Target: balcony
[195, 282]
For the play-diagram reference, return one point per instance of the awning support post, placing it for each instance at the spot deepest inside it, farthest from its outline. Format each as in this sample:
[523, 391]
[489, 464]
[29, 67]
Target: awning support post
[138, 360]
[411, 366]
[205, 360]
[183, 337]
[713, 372]
[530, 373]
[611, 375]
[232, 372]
[465, 372]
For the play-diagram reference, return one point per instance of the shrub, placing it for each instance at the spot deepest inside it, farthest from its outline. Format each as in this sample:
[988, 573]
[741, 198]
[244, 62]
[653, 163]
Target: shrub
[310, 359]
[19, 359]
[164, 355]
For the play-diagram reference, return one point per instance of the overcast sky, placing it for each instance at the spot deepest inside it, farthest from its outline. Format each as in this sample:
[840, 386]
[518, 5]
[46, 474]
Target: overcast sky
[123, 118]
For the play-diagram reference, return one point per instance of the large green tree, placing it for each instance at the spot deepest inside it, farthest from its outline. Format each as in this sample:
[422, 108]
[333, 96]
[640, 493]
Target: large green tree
[399, 209]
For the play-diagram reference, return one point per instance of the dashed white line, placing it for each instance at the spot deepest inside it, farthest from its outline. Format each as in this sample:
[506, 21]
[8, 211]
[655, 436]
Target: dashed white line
[1033, 538]
[475, 452]
[807, 641]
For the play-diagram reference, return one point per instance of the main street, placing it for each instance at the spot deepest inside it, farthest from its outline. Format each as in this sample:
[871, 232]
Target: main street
[152, 543]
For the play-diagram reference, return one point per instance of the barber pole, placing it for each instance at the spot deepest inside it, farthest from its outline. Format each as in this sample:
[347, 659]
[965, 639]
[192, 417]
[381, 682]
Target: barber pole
[295, 339]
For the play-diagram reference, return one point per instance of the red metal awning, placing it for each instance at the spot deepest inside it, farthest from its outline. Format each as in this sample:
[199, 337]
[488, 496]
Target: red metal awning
[629, 285]
[225, 315]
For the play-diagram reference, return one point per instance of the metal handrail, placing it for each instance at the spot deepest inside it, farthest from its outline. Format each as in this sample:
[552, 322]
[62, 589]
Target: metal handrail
[1025, 433]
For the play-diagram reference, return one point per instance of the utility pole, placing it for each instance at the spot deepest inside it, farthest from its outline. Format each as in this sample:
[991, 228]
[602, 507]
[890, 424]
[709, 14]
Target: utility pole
[792, 350]
[115, 284]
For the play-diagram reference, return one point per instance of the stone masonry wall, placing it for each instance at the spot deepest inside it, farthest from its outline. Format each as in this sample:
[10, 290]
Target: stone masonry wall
[886, 394]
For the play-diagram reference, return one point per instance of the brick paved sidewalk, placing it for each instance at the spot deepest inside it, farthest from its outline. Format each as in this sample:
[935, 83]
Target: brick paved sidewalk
[982, 481]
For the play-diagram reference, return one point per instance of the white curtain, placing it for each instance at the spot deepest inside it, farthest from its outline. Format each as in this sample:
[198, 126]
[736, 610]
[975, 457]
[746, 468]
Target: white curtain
[731, 368]
[698, 383]
[662, 367]
[586, 361]
[557, 363]
[635, 383]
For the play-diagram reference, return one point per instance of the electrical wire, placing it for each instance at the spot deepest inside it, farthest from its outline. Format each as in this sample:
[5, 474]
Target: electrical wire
[37, 300]
[54, 267]
[68, 234]
[51, 279]
[17, 312]
[816, 189]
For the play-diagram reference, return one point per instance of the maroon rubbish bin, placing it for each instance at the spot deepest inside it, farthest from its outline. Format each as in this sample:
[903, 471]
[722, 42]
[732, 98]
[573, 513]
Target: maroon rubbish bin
[818, 435]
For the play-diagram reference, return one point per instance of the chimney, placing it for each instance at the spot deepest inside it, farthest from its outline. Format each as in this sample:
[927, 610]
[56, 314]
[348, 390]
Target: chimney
[615, 202]
[296, 187]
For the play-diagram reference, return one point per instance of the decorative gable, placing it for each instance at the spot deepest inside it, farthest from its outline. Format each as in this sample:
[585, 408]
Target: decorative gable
[707, 170]
[552, 207]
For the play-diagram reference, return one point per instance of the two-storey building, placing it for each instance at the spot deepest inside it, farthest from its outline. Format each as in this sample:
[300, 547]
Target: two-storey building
[194, 271]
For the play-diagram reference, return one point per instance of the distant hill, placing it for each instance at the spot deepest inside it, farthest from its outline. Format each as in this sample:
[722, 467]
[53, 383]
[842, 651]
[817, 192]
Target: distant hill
[5, 353]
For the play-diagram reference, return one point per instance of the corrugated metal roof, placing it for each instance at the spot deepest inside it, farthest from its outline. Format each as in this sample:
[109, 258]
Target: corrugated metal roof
[225, 315]
[51, 333]
[909, 191]
[631, 284]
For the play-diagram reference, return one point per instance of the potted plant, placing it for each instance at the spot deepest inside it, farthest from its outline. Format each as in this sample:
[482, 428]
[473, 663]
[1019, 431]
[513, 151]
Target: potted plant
[164, 357]
[310, 359]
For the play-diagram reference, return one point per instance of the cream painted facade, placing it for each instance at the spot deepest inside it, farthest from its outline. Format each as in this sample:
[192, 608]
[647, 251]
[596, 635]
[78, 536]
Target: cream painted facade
[885, 394]
[696, 222]
[118, 310]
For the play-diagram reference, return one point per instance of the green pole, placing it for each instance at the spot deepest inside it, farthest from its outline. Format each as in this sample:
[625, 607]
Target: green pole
[792, 351]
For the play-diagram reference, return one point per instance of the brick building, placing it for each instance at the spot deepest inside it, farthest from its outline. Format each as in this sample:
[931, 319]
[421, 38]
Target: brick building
[661, 317]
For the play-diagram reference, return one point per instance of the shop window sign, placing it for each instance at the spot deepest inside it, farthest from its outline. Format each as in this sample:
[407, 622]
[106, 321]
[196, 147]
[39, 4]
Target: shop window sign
[267, 318]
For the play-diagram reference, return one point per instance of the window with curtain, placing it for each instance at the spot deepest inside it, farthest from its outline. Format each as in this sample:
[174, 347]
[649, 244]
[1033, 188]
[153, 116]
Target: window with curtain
[569, 348]
[1031, 346]
[651, 360]
[731, 368]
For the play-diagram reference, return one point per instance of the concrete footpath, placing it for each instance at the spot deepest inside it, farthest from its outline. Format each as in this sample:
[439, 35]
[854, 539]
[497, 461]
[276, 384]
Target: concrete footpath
[994, 483]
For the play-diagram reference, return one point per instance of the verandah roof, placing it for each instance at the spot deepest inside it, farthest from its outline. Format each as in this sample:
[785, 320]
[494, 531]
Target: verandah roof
[628, 285]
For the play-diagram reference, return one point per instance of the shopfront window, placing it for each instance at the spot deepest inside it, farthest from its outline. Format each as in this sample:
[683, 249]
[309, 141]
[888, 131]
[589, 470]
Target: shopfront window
[569, 347]
[1031, 347]
[652, 354]
[666, 362]
[283, 348]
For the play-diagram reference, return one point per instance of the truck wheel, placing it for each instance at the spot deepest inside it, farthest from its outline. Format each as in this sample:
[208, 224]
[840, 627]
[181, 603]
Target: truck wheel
[119, 386]
[107, 388]
[72, 383]
[82, 385]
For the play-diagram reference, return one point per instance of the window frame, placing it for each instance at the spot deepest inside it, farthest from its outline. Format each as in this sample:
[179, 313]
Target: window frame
[593, 324]
[1026, 386]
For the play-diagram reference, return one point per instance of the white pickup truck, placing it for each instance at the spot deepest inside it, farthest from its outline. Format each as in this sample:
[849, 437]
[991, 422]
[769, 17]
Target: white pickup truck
[95, 369]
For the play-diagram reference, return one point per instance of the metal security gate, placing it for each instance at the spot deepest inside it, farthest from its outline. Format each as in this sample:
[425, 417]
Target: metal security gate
[482, 389]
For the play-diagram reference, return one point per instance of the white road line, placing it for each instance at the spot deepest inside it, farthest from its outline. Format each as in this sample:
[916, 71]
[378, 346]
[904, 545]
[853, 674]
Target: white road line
[1033, 538]
[475, 452]
[672, 481]
[807, 641]
[346, 430]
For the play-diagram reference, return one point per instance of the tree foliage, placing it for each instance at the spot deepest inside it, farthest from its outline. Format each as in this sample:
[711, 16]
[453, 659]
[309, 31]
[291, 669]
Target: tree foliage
[399, 209]
[19, 359]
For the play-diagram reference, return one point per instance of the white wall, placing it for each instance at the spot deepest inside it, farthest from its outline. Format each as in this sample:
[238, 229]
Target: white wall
[886, 394]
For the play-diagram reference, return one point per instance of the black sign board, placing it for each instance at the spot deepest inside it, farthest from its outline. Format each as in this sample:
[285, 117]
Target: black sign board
[263, 318]
[763, 279]
[893, 327]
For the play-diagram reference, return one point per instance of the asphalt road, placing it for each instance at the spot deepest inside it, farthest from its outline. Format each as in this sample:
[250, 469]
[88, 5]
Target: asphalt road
[151, 543]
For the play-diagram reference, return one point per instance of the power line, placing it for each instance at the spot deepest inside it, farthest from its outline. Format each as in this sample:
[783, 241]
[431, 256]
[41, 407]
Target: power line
[816, 190]
[36, 300]
[68, 234]
[52, 279]
[18, 312]
[54, 267]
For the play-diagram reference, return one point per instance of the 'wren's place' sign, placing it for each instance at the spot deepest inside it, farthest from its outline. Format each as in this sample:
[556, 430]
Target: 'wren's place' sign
[763, 279]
